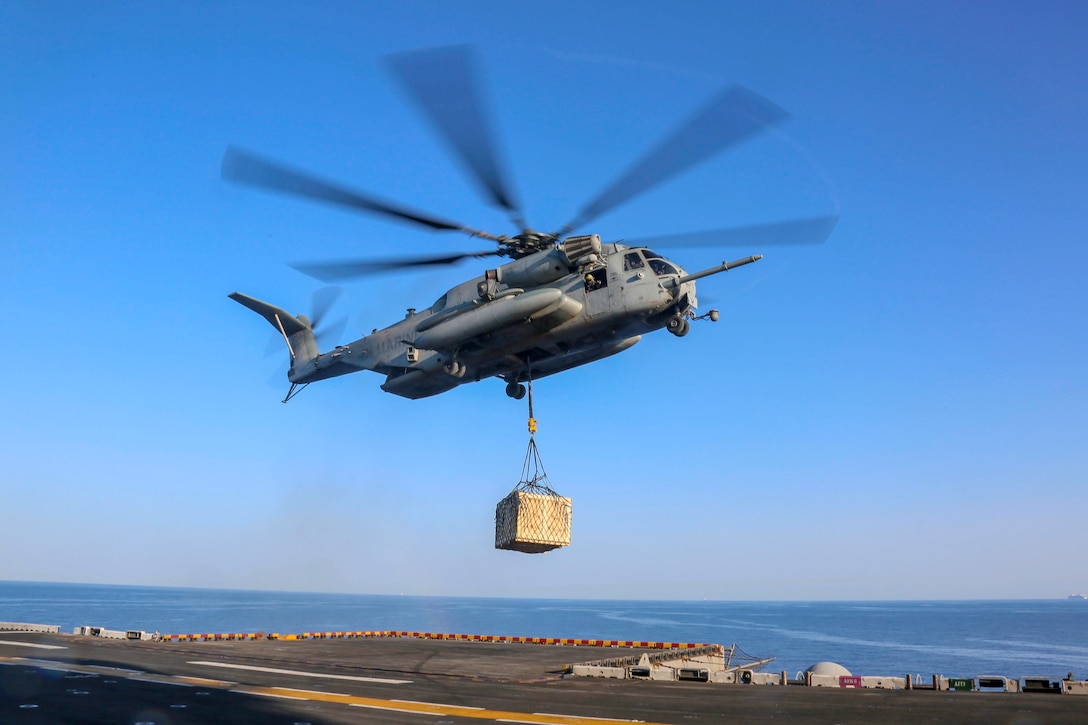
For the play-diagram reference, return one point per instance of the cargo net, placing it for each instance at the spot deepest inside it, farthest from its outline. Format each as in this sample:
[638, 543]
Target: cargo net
[533, 519]
[738, 658]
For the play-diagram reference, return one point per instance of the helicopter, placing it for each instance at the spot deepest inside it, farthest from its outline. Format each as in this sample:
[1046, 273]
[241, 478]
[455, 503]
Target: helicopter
[563, 300]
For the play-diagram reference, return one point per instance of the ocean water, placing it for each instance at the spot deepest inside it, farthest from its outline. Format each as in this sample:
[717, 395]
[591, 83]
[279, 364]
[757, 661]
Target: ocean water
[952, 638]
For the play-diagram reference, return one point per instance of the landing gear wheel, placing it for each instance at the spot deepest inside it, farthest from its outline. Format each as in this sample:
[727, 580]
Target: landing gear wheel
[454, 369]
[515, 390]
[678, 326]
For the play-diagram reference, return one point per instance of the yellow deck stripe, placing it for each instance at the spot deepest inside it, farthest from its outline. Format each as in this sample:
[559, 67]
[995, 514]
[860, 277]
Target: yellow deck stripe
[426, 708]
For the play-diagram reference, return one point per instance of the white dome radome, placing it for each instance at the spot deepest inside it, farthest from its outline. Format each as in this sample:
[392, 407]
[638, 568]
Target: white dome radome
[828, 668]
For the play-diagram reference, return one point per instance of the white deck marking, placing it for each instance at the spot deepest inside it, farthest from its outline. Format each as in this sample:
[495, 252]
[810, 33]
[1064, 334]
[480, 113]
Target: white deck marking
[161, 681]
[114, 670]
[205, 682]
[299, 673]
[313, 692]
[269, 694]
[54, 666]
[31, 644]
[51, 666]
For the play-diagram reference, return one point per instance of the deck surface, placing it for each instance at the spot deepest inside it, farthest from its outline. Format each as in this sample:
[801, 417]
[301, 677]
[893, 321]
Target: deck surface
[47, 678]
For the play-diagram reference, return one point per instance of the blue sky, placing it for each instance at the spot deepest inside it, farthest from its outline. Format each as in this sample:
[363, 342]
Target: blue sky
[898, 413]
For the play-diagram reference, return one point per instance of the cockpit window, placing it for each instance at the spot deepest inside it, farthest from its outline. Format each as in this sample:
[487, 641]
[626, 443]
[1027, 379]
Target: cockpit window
[632, 261]
[661, 267]
[439, 304]
[650, 254]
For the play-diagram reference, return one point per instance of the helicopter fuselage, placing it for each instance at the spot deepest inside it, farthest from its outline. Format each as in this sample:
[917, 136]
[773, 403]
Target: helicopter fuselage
[541, 314]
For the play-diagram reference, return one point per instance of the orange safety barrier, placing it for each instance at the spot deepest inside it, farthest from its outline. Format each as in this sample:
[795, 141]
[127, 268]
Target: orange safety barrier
[216, 637]
[501, 638]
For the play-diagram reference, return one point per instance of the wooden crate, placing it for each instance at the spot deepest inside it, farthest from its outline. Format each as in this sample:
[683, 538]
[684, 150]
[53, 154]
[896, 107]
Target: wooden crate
[532, 522]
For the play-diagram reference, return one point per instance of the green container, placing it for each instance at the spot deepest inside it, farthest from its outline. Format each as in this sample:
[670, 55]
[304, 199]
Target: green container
[959, 684]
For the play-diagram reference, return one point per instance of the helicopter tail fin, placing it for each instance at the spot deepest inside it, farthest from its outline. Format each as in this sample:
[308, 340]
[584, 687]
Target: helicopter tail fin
[296, 330]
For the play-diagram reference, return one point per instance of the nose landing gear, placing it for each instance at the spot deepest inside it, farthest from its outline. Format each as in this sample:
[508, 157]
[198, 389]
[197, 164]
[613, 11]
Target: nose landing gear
[678, 325]
[515, 390]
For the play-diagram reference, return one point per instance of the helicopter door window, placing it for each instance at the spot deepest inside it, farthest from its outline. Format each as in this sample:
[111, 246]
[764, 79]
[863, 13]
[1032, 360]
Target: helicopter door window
[596, 279]
[632, 261]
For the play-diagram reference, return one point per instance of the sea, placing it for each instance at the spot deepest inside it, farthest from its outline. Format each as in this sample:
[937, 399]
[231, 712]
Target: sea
[1014, 638]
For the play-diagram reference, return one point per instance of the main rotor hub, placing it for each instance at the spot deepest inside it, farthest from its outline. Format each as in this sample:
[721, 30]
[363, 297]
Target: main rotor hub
[526, 243]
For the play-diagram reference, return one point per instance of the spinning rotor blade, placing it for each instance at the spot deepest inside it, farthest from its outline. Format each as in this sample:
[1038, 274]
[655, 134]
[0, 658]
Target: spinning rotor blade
[799, 231]
[443, 82]
[330, 334]
[732, 116]
[246, 168]
[320, 303]
[351, 268]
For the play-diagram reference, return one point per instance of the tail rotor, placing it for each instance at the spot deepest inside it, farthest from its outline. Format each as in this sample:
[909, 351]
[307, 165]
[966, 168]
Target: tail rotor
[321, 301]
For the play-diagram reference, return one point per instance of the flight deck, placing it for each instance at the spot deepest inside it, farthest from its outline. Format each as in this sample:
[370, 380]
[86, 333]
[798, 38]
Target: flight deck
[49, 677]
